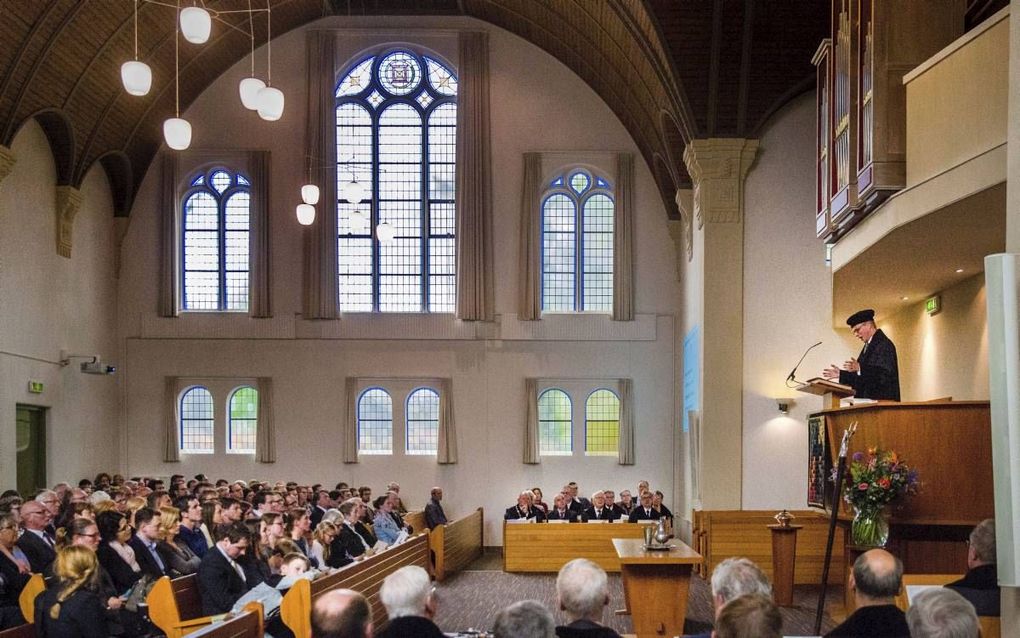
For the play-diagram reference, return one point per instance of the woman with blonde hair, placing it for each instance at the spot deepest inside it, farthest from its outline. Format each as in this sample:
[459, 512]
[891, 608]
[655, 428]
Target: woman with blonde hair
[132, 505]
[322, 537]
[175, 552]
[71, 609]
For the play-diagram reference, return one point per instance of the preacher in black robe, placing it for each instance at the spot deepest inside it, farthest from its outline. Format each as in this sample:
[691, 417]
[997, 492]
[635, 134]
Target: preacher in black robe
[875, 373]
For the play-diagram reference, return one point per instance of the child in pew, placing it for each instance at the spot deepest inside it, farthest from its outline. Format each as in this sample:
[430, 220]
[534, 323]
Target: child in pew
[293, 567]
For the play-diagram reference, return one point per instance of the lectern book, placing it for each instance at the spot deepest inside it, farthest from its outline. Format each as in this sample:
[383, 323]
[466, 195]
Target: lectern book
[822, 386]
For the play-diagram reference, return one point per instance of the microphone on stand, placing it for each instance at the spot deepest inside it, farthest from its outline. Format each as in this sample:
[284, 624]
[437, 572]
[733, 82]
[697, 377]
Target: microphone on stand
[793, 372]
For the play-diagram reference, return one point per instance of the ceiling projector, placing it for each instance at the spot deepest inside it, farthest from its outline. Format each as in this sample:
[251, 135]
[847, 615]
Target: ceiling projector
[96, 366]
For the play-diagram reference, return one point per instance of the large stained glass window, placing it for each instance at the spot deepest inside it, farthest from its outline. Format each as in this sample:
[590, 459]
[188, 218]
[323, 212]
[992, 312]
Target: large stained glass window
[396, 125]
[602, 423]
[423, 422]
[375, 422]
[242, 420]
[214, 236]
[196, 421]
[577, 244]
[555, 425]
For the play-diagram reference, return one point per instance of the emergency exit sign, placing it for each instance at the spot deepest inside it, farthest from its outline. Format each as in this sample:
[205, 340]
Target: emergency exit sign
[933, 305]
[35, 387]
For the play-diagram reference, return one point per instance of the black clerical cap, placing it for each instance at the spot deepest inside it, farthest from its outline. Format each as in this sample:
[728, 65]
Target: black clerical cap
[860, 317]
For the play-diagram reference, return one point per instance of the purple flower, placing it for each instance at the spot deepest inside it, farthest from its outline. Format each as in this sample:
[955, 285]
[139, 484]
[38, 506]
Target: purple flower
[858, 456]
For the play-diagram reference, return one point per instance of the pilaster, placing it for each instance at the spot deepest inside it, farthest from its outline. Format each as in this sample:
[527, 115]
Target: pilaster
[7, 161]
[68, 203]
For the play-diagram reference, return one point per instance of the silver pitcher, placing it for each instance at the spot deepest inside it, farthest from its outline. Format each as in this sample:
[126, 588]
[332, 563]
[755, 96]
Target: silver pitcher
[661, 535]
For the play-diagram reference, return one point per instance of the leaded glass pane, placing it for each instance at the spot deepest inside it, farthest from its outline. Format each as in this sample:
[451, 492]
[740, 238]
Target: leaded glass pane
[243, 422]
[215, 231]
[201, 212]
[602, 423]
[220, 181]
[399, 73]
[375, 422]
[196, 421]
[441, 78]
[357, 80]
[579, 182]
[554, 423]
[597, 262]
[558, 253]
[423, 422]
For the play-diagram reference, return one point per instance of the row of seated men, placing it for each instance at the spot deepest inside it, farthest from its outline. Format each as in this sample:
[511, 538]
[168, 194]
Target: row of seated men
[603, 506]
[231, 545]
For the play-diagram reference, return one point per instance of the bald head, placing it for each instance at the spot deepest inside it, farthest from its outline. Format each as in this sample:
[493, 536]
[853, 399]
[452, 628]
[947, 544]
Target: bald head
[341, 613]
[877, 576]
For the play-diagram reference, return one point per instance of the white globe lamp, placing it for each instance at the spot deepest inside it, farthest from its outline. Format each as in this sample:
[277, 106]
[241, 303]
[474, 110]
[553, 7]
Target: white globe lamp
[136, 76]
[196, 24]
[305, 214]
[177, 133]
[355, 192]
[249, 89]
[310, 194]
[385, 232]
[270, 103]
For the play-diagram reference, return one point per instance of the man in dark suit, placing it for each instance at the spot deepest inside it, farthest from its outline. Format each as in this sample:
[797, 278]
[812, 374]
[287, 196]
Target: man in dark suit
[434, 514]
[613, 505]
[36, 542]
[322, 503]
[410, 602]
[145, 540]
[980, 585]
[875, 373]
[524, 509]
[598, 510]
[221, 580]
[560, 511]
[582, 591]
[644, 511]
[875, 581]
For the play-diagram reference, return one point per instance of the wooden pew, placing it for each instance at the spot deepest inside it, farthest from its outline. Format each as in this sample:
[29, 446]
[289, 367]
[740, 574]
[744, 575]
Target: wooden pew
[26, 600]
[991, 626]
[365, 577]
[416, 520]
[247, 624]
[175, 606]
[22, 631]
[456, 544]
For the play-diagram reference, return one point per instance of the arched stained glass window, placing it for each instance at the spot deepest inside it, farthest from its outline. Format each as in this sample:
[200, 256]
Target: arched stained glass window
[375, 422]
[396, 124]
[555, 425]
[423, 422]
[577, 243]
[602, 423]
[196, 421]
[214, 242]
[242, 420]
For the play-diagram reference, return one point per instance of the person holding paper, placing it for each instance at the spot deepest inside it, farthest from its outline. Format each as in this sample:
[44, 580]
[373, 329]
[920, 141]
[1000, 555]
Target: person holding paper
[524, 509]
[875, 373]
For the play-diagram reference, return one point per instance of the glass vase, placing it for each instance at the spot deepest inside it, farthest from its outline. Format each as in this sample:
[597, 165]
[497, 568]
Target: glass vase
[870, 528]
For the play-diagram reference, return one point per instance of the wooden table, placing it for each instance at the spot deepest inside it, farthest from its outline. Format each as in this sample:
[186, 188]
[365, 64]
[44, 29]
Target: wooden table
[546, 547]
[655, 585]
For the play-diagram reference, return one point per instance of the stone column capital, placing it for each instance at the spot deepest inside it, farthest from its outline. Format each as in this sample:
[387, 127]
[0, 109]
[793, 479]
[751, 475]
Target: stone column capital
[682, 231]
[718, 167]
[68, 203]
[7, 161]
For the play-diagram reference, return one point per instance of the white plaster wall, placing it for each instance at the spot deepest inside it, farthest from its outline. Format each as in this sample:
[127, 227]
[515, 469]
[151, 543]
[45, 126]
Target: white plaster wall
[47, 303]
[537, 104]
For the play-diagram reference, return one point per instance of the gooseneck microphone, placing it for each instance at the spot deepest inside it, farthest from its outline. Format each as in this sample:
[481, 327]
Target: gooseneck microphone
[790, 377]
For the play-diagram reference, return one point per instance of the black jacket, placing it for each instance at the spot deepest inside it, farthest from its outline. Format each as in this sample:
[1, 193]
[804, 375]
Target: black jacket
[981, 587]
[880, 372]
[638, 514]
[411, 627]
[145, 560]
[81, 616]
[607, 514]
[879, 621]
[514, 513]
[219, 583]
[12, 581]
[120, 572]
[585, 629]
[40, 555]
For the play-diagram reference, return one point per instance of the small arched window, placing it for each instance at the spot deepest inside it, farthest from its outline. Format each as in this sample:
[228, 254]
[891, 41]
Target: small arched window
[423, 421]
[577, 243]
[214, 242]
[242, 420]
[602, 423]
[555, 424]
[196, 421]
[375, 422]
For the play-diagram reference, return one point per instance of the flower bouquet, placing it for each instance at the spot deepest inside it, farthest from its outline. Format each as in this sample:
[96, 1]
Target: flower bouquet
[875, 478]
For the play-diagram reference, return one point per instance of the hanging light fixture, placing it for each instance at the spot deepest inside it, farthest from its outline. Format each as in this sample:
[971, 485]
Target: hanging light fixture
[135, 74]
[359, 223]
[250, 86]
[385, 232]
[310, 194]
[305, 214]
[176, 130]
[196, 24]
[354, 191]
[270, 98]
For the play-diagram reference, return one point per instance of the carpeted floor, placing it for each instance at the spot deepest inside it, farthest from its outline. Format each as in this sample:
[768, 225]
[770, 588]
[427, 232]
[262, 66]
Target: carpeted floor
[472, 598]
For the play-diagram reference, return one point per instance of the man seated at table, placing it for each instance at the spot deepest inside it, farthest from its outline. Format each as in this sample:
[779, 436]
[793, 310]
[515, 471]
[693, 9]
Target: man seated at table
[979, 585]
[524, 509]
[582, 591]
[613, 506]
[733, 578]
[560, 511]
[644, 511]
[626, 503]
[875, 581]
[598, 510]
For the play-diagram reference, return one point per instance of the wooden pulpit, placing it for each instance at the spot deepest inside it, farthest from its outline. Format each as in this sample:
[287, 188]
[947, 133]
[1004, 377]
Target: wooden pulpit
[830, 391]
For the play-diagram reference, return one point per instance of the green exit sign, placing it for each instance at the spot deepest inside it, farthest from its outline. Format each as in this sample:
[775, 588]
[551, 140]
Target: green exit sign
[35, 387]
[933, 305]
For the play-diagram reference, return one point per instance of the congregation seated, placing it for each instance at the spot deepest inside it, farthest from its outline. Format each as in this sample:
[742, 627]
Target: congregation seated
[734, 578]
[524, 619]
[69, 607]
[434, 514]
[221, 579]
[114, 553]
[410, 602]
[560, 511]
[876, 579]
[750, 615]
[14, 573]
[388, 524]
[598, 510]
[37, 541]
[582, 592]
[341, 613]
[942, 613]
[145, 543]
[644, 511]
[524, 509]
[980, 585]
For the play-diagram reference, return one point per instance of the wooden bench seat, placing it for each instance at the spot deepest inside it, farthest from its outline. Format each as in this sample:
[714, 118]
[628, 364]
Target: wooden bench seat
[457, 544]
[175, 606]
[247, 624]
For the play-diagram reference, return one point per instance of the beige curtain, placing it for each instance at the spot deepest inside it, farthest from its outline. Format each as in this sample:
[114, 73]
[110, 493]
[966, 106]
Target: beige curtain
[531, 451]
[626, 446]
[260, 284]
[447, 453]
[168, 296]
[171, 416]
[623, 240]
[350, 438]
[529, 301]
[475, 276]
[265, 432]
[320, 259]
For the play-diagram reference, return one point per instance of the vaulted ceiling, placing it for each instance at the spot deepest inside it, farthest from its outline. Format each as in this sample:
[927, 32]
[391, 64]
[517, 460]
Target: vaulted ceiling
[671, 70]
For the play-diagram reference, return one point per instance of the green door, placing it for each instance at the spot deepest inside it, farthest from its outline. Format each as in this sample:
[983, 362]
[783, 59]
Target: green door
[31, 444]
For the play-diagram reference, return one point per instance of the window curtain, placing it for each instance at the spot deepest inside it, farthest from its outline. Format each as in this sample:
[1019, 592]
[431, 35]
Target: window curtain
[626, 445]
[351, 427]
[260, 285]
[171, 417]
[623, 241]
[531, 451]
[447, 453]
[265, 432]
[475, 297]
[320, 258]
[529, 301]
[168, 259]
